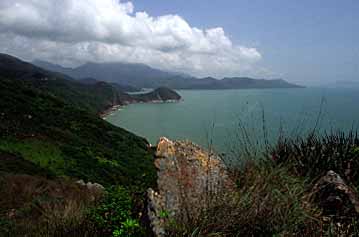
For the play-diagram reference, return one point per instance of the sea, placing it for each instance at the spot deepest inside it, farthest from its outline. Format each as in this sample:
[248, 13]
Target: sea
[222, 119]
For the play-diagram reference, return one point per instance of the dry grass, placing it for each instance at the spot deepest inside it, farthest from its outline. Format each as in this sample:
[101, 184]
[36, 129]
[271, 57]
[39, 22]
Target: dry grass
[40, 207]
[267, 202]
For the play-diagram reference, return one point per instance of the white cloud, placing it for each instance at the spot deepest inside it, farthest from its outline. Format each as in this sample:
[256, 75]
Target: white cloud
[76, 31]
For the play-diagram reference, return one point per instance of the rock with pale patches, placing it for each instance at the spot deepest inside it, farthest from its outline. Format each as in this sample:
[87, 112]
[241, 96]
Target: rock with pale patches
[188, 178]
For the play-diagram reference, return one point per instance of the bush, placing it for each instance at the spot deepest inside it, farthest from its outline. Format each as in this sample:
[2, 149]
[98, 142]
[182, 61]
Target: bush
[114, 214]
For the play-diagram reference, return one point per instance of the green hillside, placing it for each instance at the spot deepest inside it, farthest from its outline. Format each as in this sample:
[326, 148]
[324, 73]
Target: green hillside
[50, 137]
[94, 97]
[68, 140]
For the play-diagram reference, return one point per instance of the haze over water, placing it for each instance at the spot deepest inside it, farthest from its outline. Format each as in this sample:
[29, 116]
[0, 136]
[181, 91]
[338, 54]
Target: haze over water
[217, 114]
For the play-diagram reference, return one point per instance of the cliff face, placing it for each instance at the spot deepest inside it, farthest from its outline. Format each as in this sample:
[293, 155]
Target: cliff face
[188, 177]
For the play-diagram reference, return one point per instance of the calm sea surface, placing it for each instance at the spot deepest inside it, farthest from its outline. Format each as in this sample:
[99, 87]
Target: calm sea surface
[220, 114]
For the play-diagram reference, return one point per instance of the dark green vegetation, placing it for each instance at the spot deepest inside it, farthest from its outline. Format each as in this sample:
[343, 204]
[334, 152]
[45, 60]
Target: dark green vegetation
[68, 140]
[51, 136]
[113, 214]
[90, 94]
[277, 192]
[143, 76]
[160, 94]
[94, 97]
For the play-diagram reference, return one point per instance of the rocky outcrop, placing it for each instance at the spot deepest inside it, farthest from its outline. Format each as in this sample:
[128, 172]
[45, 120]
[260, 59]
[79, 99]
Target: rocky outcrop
[189, 178]
[334, 196]
[93, 188]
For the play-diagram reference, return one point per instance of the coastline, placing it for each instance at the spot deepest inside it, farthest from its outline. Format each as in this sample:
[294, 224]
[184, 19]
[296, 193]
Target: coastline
[109, 111]
[115, 108]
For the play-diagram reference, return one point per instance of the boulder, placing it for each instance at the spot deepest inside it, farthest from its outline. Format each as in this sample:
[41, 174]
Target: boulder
[335, 197]
[94, 189]
[189, 179]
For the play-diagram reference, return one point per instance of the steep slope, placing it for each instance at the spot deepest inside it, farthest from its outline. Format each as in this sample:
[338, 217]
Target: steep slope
[50, 138]
[67, 140]
[95, 97]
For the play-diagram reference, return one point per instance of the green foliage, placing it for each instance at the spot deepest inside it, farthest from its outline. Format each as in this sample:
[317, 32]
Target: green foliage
[356, 151]
[164, 214]
[114, 214]
[92, 97]
[5, 225]
[69, 140]
[42, 154]
[15, 164]
[49, 128]
[161, 93]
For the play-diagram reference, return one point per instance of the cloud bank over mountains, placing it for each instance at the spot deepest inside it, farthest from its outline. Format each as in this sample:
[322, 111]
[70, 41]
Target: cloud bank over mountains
[71, 32]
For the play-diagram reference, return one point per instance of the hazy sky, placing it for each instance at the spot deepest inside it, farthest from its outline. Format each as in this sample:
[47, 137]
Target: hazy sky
[311, 42]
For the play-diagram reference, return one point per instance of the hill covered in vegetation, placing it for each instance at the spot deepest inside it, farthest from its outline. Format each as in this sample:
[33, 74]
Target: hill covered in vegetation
[161, 94]
[93, 97]
[51, 137]
[68, 140]
[91, 94]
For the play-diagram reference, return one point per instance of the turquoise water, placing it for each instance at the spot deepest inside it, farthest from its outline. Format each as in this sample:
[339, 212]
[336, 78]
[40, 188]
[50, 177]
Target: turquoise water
[218, 115]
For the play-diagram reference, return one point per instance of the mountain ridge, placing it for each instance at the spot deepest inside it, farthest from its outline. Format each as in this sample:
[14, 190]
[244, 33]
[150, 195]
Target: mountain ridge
[96, 96]
[144, 76]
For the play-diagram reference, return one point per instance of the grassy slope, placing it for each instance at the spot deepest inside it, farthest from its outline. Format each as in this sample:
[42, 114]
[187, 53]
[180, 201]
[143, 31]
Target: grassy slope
[68, 140]
[49, 129]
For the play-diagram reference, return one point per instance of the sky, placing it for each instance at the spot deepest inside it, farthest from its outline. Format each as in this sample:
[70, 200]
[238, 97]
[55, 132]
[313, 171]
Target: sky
[310, 42]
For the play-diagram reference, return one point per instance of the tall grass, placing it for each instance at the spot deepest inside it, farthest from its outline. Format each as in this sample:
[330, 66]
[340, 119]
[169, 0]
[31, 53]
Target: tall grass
[266, 202]
[315, 155]
[274, 180]
[35, 206]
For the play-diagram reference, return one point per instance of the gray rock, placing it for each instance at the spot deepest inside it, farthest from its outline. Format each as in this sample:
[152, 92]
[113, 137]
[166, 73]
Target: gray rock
[81, 182]
[91, 186]
[334, 196]
[189, 178]
[95, 186]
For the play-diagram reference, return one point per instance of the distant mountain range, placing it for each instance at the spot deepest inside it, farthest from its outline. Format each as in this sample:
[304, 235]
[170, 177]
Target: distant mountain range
[143, 76]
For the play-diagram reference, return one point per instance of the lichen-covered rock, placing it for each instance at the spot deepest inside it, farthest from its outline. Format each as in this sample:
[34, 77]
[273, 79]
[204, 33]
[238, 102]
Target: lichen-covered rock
[334, 196]
[188, 180]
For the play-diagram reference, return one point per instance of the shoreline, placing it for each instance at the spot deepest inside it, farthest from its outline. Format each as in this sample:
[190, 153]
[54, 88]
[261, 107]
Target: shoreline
[109, 111]
[115, 108]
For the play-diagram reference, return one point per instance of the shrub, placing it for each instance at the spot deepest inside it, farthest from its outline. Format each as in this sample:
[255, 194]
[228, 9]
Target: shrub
[114, 214]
